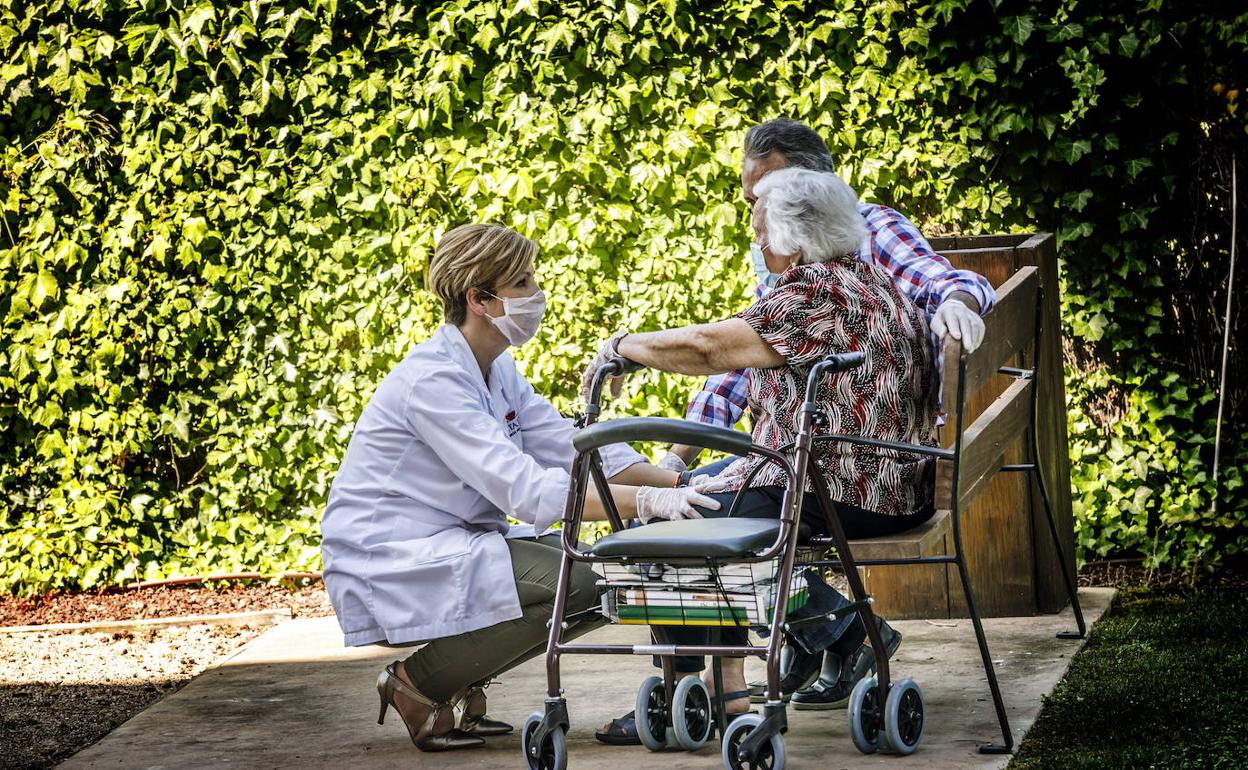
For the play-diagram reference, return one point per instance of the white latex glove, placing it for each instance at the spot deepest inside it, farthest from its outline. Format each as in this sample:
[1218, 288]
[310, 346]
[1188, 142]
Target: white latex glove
[957, 320]
[709, 485]
[672, 462]
[671, 504]
[608, 352]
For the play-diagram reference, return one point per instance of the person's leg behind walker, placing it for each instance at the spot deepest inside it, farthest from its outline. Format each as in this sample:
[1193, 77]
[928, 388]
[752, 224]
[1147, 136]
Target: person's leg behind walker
[735, 699]
[850, 658]
[841, 639]
[622, 731]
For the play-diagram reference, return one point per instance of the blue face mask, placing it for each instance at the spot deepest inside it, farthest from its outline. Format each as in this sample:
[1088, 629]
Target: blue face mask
[759, 262]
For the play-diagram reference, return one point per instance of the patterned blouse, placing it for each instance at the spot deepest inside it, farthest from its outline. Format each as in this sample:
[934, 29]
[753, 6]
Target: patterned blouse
[839, 306]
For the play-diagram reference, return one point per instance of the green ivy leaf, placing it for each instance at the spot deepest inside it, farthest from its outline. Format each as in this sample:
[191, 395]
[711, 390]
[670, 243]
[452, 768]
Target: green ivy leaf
[44, 288]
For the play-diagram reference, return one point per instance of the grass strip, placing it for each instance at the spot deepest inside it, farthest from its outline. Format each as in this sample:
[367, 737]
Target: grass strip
[1162, 683]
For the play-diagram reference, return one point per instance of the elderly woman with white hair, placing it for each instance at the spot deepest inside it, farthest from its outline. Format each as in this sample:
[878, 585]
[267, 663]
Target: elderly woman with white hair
[826, 300]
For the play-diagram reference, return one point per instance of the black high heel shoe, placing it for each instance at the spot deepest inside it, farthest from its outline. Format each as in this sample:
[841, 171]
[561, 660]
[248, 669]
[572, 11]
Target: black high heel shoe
[423, 736]
[481, 724]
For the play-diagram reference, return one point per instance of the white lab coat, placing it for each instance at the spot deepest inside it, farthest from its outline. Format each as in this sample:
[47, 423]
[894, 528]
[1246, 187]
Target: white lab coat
[413, 533]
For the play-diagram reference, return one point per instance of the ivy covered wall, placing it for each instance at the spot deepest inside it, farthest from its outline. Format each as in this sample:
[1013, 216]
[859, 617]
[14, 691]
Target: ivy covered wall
[215, 222]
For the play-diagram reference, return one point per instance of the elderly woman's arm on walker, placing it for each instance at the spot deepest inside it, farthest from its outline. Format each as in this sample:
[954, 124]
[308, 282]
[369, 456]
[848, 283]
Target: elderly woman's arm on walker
[711, 348]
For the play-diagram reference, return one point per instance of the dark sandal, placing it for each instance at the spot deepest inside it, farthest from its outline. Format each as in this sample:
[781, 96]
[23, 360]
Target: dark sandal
[621, 732]
[734, 695]
[718, 700]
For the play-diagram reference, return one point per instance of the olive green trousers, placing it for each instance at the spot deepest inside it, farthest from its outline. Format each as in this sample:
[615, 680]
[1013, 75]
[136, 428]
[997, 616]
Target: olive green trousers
[445, 666]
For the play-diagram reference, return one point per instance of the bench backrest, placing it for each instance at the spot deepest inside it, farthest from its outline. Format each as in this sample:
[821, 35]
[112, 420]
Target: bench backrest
[1009, 330]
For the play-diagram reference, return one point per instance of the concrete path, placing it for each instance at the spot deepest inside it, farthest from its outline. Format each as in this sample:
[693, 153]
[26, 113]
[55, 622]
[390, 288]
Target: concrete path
[295, 698]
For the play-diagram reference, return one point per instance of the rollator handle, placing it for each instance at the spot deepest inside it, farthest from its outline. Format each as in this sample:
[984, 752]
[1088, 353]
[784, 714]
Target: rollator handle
[621, 366]
[837, 362]
[840, 362]
[616, 367]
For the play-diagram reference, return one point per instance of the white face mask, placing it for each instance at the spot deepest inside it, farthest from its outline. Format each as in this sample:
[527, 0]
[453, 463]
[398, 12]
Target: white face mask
[521, 318]
[759, 262]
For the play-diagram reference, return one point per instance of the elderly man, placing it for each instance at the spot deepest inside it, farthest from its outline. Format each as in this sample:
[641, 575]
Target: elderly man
[952, 300]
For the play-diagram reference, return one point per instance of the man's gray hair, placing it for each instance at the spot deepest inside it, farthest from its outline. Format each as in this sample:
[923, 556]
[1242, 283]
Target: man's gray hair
[797, 142]
[813, 212]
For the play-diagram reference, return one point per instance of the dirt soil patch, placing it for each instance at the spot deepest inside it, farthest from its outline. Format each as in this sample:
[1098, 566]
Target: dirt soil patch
[1125, 575]
[164, 602]
[62, 691]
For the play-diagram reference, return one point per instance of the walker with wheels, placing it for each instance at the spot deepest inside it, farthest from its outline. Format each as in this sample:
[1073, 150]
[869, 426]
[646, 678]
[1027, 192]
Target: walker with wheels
[724, 572]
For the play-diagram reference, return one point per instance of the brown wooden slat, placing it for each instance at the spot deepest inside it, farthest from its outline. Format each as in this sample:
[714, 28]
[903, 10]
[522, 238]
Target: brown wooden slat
[1038, 242]
[997, 265]
[944, 484]
[923, 540]
[1009, 329]
[972, 242]
[949, 393]
[914, 590]
[985, 442]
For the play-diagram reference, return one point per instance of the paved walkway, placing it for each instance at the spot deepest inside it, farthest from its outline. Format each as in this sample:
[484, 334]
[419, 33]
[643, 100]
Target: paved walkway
[295, 698]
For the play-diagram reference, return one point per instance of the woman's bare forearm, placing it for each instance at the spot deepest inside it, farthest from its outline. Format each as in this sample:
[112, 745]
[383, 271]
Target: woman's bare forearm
[683, 350]
[686, 452]
[701, 349]
[624, 495]
[645, 475]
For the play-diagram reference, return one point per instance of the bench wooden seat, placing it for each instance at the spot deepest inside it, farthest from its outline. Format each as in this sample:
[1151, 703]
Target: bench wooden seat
[927, 539]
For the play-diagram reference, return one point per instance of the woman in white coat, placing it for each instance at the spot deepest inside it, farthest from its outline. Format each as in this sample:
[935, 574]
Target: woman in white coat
[415, 533]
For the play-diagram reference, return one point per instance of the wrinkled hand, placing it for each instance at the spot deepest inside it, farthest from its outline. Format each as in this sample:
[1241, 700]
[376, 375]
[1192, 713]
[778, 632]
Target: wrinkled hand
[672, 462]
[671, 504]
[960, 322]
[608, 352]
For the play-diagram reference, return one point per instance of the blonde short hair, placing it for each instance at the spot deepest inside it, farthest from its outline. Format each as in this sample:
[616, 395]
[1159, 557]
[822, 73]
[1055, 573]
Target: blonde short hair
[482, 256]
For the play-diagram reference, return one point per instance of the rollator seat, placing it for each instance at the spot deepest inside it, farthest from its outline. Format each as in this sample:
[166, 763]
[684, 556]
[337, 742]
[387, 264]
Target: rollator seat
[698, 538]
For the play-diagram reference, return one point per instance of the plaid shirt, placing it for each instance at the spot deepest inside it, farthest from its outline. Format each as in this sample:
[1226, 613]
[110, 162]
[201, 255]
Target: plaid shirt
[896, 246]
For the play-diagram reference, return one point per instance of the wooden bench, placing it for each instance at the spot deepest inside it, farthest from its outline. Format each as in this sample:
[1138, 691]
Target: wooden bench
[1008, 330]
[933, 554]
[1012, 556]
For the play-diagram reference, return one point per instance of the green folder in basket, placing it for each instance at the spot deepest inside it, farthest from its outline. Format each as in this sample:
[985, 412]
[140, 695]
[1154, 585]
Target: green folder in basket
[672, 613]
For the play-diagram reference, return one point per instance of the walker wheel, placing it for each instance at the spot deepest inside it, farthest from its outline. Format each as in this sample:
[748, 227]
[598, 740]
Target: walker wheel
[691, 713]
[903, 717]
[552, 754]
[651, 713]
[770, 754]
[864, 716]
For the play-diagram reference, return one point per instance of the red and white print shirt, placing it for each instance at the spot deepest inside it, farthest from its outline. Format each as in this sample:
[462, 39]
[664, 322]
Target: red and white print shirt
[839, 306]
